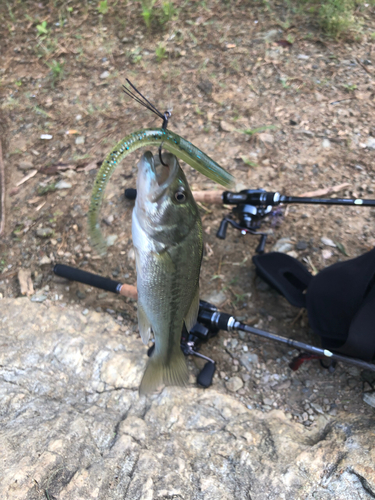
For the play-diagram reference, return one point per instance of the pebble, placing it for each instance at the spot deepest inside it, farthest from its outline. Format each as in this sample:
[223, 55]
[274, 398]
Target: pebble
[270, 35]
[44, 232]
[326, 143]
[80, 294]
[268, 401]
[104, 75]
[369, 398]
[85, 312]
[80, 140]
[328, 242]
[293, 254]
[317, 408]
[327, 254]
[25, 165]
[63, 185]
[370, 143]
[44, 260]
[283, 245]
[301, 245]
[267, 138]
[234, 384]
[46, 136]
[215, 298]
[233, 343]
[303, 57]
[111, 239]
[38, 298]
[249, 361]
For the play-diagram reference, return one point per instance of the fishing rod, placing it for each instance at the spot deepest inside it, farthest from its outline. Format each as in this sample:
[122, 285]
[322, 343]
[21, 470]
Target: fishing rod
[210, 321]
[251, 206]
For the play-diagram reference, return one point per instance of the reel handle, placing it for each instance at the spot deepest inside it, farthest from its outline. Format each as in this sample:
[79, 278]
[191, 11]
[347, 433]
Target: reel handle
[222, 231]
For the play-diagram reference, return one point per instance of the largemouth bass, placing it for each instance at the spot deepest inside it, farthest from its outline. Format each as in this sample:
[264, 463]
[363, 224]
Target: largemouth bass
[168, 243]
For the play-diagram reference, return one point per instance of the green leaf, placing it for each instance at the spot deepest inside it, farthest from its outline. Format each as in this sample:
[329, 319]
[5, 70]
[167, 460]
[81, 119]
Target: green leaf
[341, 247]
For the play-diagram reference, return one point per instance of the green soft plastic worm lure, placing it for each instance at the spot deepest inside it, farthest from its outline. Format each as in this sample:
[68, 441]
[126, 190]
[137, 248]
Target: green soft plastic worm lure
[172, 142]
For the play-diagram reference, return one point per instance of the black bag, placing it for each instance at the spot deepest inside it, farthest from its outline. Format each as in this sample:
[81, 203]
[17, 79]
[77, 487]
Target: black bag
[340, 300]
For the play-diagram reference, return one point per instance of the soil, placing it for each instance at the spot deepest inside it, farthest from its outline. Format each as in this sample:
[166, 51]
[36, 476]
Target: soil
[307, 104]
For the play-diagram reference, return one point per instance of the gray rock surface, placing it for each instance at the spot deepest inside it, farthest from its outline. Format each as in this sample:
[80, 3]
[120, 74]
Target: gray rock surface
[73, 426]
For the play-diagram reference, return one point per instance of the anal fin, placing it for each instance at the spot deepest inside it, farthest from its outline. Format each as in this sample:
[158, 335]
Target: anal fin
[143, 324]
[192, 315]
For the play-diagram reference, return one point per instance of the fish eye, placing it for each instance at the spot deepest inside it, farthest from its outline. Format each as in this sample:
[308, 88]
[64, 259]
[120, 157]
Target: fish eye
[180, 196]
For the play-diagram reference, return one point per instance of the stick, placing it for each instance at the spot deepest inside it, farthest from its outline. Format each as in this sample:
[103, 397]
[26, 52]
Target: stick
[324, 191]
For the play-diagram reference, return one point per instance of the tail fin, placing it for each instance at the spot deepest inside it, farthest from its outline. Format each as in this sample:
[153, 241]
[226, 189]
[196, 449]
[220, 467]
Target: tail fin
[158, 372]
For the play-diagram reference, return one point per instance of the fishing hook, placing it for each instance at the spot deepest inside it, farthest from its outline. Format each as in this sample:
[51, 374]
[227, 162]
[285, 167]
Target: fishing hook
[166, 117]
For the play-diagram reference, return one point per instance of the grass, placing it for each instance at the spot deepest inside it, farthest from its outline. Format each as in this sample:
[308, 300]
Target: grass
[257, 130]
[336, 18]
[160, 53]
[157, 14]
[57, 70]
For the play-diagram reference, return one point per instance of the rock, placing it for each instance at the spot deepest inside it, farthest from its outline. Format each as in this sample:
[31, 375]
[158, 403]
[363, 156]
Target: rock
[370, 143]
[369, 398]
[80, 140]
[44, 260]
[63, 185]
[44, 232]
[317, 408]
[328, 242]
[326, 254]
[25, 281]
[249, 360]
[227, 127]
[38, 297]
[271, 35]
[74, 427]
[293, 254]
[266, 138]
[283, 245]
[234, 384]
[326, 143]
[111, 239]
[25, 165]
[104, 75]
[268, 401]
[301, 245]
[303, 57]
[46, 137]
[215, 298]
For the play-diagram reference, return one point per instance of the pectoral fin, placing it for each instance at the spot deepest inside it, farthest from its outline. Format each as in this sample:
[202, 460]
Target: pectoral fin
[143, 324]
[192, 315]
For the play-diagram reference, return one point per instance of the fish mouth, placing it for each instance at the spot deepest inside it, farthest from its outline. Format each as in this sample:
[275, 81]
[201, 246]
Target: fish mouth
[161, 176]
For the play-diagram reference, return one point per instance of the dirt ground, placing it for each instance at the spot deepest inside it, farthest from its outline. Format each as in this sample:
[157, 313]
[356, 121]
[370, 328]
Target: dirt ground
[307, 102]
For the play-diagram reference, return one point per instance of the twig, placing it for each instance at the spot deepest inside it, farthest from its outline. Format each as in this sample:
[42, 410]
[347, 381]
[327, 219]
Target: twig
[324, 191]
[363, 66]
[2, 192]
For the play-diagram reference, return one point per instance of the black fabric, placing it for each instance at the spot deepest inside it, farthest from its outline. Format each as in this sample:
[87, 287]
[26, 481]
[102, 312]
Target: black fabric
[361, 338]
[335, 296]
[340, 300]
[284, 273]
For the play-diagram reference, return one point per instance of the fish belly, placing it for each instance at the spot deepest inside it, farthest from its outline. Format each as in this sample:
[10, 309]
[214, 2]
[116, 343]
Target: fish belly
[168, 283]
